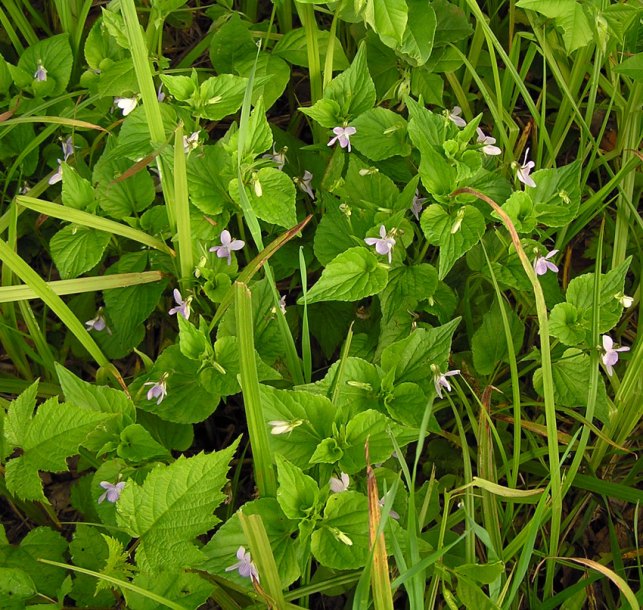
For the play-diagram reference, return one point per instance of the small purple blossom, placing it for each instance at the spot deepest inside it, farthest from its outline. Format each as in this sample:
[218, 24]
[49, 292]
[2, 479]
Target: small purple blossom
[68, 148]
[228, 245]
[338, 485]
[416, 205]
[112, 491]
[158, 389]
[342, 135]
[279, 157]
[542, 264]
[454, 117]
[57, 176]
[282, 304]
[245, 566]
[41, 73]
[383, 245]
[522, 172]
[98, 323]
[391, 513]
[160, 96]
[190, 142]
[305, 184]
[440, 379]
[126, 104]
[488, 142]
[610, 355]
[182, 307]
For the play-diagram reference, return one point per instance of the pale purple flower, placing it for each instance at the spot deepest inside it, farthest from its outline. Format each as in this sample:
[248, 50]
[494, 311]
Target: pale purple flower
[440, 379]
[305, 184]
[542, 264]
[112, 491]
[160, 96]
[245, 566]
[228, 245]
[454, 117]
[522, 172]
[57, 176]
[488, 142]
[158, 389]
[279, 157]
[342, 135]
[416, 205]
[98, 323]
[126, 104]
[383, 245]
[338, 485]
[190, 142]
[68, 148]
[182, 307]
[41, 73]
[391, 513]
[282, 304]
[610, 357]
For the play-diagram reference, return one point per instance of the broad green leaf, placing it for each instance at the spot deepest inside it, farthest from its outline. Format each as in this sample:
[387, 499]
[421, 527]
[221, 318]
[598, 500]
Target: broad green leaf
[388, 18]
[366, 189]
[428, 85]
[271, 72]
[16, 587]
[231, 42]
[134, 139]
[454, 233]
[55, 55]
[520, 208]
[350, 276]
[293, 48]
[452, 25]
[381, 134]
[566, 324]
[220, 96]
[172, 507]
[221, 551]
[412, 357]
[180, 87]
[51, 436]
[557, 194]
[272, 196]
[76, 249]
[417, 41]
[77, 192]
[407, 404]
[326, 112]
[259, 137]
[100, 48]
[88, 549]
[341, 542]
[297, 493]
[209, 174]
[19, 416]
[353, 89]
[407, 286]
[571, 388]
[489, 344]
[137, 445]
[184, 588]
[569, 15]
[632, 67]
[315, 412]
[194, 342]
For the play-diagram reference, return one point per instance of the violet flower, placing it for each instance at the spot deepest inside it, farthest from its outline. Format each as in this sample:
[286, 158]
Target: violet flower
[522, 172]
[68, 148]
[279, 157]
[41, 73]
[182, 307]
[98, 323]
[391, 513]
[112, 491]
[245, 566]
[160, 96]
[454, 117]
[126, 104]
[542, 264]
[338, 485]
[57, 176]
[158, 389]
[305, 184]
[228, 245]
[282, 304]
[610, 356]
[488, 142]
[416, 205]
[383, 245]
[342, 135]
[440, 379]
[190, 142]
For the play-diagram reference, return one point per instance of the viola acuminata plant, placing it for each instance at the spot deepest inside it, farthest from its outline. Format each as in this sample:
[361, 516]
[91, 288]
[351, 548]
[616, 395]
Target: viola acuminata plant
[320, 305]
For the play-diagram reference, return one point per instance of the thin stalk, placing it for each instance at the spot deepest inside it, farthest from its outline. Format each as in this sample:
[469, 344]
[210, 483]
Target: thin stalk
[182, 209]
[305, 329]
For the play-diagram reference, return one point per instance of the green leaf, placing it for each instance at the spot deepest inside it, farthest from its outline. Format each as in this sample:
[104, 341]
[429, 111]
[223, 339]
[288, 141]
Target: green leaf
[221, 551]
[388, 18]
[342, 542]
[452, 25]
[259, 137]
[77, 192]
[19, 416]
[520, 208]
[350, 276]
[77, 249]
[194, 342]
[568, 15]
[411, 358]
[272, 74]
[55, 55]
[16, 587]
[220, 96]
[51, 436]
[571, 389]
[326, 112]
[293, 48]
[381, 134]
[172, 507]
[316, 412]
[298, 493]
[137, 445]
[631, 67]
[231, 42]
[566, 324]
[407, 286]
[353, 89]
[181, 88]
[272, 196]
[417, 41]
[184, 588]
[489, 344]
[557, 194]
[454, 233]
[209, 174]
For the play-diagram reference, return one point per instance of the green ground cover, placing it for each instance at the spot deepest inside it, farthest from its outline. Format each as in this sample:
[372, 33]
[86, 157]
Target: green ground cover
[314, 304]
